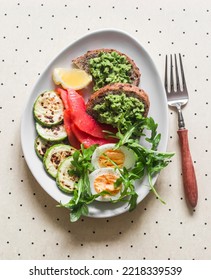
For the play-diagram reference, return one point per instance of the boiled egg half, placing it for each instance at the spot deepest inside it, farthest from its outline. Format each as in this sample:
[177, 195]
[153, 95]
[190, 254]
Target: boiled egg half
[106, 155]
[104, 179]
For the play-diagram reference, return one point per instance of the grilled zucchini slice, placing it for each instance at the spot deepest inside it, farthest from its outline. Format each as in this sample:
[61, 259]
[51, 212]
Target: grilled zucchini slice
[41, 146]
[54, 156]
[66, 182]
[55, 133]
[48, 109]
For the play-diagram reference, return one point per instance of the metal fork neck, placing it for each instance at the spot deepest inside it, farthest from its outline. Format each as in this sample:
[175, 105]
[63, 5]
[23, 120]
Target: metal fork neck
[181, 122]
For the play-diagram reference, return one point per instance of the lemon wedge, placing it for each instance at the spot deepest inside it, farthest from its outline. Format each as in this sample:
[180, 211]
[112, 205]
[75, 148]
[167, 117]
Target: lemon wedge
[71, 78]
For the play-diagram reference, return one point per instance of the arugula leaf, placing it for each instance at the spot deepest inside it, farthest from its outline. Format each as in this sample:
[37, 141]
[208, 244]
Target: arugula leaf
[77, 211]
[82, 196]
[150, 161]
[133, 201]
[155, 138]
[81, 207]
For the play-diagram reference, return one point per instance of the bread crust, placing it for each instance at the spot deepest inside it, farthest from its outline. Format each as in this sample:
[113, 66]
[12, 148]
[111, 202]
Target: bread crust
[82, 63]
[118, 88]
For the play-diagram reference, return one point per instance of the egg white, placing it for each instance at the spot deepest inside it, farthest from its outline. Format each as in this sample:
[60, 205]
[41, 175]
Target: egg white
[130, 158]
[103, 171]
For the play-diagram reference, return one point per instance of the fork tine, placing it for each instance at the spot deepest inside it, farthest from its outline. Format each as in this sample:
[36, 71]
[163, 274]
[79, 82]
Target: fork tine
[171, 75]
[182, 73]
[166, 75]
[176, 72]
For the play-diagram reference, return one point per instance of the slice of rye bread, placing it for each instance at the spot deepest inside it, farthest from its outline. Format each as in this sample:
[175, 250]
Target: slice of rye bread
[117, 88]
[82, 62]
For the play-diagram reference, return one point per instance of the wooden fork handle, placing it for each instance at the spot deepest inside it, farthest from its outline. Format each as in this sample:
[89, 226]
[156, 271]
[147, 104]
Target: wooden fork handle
[188, 172]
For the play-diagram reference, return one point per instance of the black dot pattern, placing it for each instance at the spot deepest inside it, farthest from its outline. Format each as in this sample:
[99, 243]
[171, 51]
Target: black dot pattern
[34, 228]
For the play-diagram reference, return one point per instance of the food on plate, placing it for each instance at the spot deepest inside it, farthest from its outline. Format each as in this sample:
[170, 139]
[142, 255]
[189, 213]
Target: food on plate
[103, 157]
[103, 180]
[53, 134]
[68, 127]
[80, 126]
[79, 116]
[41, 146]
[71, 78]
[108, 66]
[108, 156]
[54, 156]
[119, 103]
[65, 181]
[87, 139]
[48, 108]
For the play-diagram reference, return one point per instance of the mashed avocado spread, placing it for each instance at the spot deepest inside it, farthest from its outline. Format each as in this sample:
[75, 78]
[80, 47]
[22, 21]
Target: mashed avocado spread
[109, 68]
[120, 111]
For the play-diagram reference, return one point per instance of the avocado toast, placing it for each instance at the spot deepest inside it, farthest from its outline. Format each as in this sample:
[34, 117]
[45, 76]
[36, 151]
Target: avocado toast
[108, 66]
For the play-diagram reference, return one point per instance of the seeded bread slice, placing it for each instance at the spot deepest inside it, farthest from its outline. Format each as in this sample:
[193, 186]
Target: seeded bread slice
[117, 88]
[82, 62]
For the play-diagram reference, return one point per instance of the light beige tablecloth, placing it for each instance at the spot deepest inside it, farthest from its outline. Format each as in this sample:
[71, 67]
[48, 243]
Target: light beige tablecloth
[34, 32]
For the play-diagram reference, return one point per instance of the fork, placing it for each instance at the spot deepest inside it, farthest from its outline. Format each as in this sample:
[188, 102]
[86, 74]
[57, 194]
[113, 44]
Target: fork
[177, 96]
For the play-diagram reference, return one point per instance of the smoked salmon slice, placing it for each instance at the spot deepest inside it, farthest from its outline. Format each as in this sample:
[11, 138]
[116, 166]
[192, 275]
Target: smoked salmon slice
[79, 125]
[87, 140]
[80, 117]
[68, 127]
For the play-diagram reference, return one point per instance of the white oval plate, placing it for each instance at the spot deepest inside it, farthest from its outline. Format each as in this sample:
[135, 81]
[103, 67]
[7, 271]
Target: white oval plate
[150, 82]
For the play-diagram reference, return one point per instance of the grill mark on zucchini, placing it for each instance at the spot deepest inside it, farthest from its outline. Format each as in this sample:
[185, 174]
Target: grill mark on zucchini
[54, 156]
[48, 109]
[41, 146]
[53, 134]
[66, 182]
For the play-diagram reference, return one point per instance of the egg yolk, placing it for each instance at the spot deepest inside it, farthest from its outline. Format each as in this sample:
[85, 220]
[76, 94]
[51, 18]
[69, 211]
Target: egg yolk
[106, 182]
[116, 156]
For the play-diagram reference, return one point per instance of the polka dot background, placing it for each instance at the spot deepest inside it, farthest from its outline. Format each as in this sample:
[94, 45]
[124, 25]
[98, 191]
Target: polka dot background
[32, 227]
